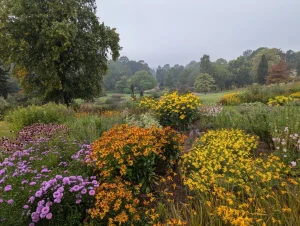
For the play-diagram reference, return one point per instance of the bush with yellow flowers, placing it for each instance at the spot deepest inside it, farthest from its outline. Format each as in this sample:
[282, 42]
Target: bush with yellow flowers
[279, 101]
[237, 187]
[175, 110]
[115, 204]
[133, 153]
[295, 95]
[230, 99]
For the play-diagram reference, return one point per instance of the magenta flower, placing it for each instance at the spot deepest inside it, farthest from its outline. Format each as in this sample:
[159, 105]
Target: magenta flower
[49, 216]
[1, 200]
[83, 191]
[45, 210]
[26, 207]
[8, 188]
[78, 201]
[11, 201]
[38, 194]
[92, 192]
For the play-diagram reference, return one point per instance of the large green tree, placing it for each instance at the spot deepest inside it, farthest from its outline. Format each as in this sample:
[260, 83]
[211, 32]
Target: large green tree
[272, 56]
[142, 80]
[204, 83]
[205, 65]
[60, 48]
[241, 71]
[263, 70]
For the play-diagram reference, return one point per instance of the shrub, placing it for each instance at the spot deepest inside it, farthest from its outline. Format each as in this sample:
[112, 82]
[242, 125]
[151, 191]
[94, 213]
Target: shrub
[133, 153]
[230, 99]
[4, 107]
[279, 101]
[31, 176]
[177, 111]
[287, 147]
[237, 188]
[146, 120]
[49, 113]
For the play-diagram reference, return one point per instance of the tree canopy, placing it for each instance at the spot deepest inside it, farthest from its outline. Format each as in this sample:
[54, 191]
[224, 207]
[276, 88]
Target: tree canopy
[142, 80]
[60, 49]
[204, 83]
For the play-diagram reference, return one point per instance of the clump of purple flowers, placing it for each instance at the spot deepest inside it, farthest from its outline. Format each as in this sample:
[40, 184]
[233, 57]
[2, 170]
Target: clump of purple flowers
[53, 191]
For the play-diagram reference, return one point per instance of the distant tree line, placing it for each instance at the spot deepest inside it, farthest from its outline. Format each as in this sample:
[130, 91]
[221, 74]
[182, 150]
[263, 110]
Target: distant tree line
[263, 66]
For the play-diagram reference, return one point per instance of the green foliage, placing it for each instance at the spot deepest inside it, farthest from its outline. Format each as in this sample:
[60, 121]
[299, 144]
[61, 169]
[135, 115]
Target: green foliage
[142, 80]
[4, 106]
[146, 120]
[262, 71]
[272, 56]
[240, 69]
[49, 113]
[121, 85]
[59, 47]
[205, 65]
[204, 83]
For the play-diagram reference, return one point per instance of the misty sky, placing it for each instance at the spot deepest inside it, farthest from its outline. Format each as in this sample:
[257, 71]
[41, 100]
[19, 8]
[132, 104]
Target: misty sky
[178, 31]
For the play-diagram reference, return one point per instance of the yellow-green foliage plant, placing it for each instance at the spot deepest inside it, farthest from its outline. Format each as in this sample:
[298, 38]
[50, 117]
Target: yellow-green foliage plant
[175, 110]
[230, 99]
[279, 101]
[295, 95]
[236, 187]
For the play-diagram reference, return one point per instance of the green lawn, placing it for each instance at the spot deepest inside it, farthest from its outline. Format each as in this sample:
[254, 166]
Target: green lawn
[5, 130]
[212, 98]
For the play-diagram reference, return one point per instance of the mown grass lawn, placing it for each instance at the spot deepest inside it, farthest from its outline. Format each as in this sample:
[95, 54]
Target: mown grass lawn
[212, 98]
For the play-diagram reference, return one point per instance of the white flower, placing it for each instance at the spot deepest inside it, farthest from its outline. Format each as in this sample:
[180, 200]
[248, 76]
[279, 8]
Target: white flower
[284, 150]
[293, 163]
[284, 156]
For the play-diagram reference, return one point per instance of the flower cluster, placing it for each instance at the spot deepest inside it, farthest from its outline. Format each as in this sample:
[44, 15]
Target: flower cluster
[236, 186]
[287, 145]
[32, 134]
[52, 192]
[283, 100]
[230, 99]
[279, 100]
[133, 152]
[25, 173]
[174, 110]
[295, 95]
[211, 110]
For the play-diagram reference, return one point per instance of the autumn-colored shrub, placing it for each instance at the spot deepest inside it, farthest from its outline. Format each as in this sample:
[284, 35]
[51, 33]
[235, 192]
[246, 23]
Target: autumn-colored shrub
[133, 153]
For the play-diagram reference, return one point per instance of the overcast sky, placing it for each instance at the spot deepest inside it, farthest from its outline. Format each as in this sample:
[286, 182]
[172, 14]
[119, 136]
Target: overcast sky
[179, 31]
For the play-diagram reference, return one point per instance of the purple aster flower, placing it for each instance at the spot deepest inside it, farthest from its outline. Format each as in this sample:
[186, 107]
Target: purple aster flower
[8, 188]
[45, 210]
[49, 216]
[57, 200]
[32, 183]
[92, 192]
[1, 200]
[38, 194]
[83, 191]
[78, 201]
[26, 207]
[10, 201]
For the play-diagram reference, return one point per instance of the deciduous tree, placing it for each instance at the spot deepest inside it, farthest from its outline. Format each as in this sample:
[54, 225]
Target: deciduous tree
[204, 83]
[60, 48]
[142, 80]
[278, 73]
